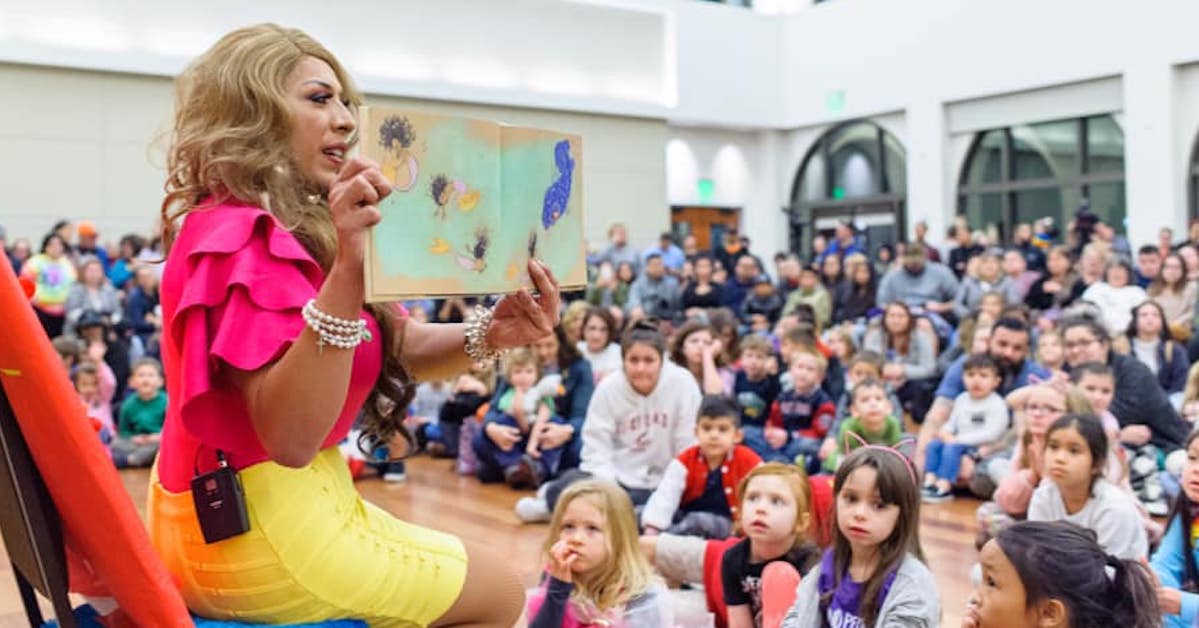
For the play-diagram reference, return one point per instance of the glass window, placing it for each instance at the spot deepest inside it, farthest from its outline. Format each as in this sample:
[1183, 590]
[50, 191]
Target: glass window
[896, 172]
[854, 169]
[1029, 205]
[814, 184]
[1105, 145]
[1045, 173]
[854, 161]
[986, 165]
[1046, 151]
[984, 210]
[1107, 202]
[855, 156]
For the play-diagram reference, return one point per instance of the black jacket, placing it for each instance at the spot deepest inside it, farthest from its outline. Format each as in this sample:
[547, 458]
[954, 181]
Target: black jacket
[1139, 400]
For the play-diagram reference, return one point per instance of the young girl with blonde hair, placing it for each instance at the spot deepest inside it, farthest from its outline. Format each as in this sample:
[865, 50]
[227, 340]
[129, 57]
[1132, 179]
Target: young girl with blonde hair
[596, 574]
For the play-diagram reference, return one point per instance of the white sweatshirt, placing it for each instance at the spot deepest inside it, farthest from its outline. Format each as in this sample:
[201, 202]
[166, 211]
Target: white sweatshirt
[631, 438]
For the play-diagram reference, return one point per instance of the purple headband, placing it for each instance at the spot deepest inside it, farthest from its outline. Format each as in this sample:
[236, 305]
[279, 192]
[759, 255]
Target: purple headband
[905, 441]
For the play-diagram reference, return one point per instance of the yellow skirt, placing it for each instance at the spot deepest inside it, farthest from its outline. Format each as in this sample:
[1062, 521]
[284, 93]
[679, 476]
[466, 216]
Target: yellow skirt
[315, 551]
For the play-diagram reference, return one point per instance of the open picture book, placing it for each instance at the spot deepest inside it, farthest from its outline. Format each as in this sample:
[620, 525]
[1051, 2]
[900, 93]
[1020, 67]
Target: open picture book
[471, 201]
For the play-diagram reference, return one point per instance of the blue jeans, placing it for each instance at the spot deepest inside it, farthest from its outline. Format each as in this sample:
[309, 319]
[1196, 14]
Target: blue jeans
[493, 461]
[944, 460]
[809, 448]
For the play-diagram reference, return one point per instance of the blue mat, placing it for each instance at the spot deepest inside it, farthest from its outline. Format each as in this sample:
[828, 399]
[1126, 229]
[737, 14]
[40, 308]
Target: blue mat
[86, 617]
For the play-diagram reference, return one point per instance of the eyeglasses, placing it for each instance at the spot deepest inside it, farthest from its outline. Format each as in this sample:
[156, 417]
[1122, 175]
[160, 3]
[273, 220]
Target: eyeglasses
[1078, 344]
[1037, 408]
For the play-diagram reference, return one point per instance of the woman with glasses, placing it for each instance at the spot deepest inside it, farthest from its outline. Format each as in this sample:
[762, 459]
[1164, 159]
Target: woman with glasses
[1140, 405]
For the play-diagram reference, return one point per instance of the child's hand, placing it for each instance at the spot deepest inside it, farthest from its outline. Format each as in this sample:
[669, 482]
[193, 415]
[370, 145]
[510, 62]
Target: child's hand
[1135, 435]
[776, 437]
[532, 450]
[562, 558]
[827, 448]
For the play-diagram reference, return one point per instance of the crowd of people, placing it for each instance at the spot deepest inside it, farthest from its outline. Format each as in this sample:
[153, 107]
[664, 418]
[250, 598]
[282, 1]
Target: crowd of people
[692, 402]
[769, 434]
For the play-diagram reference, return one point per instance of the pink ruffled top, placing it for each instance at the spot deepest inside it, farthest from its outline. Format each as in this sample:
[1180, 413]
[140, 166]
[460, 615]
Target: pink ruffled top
[232, 289]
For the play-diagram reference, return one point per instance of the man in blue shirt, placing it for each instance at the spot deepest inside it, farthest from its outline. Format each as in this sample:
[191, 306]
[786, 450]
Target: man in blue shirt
[845, 242]
[1008, 346]
[672, 256]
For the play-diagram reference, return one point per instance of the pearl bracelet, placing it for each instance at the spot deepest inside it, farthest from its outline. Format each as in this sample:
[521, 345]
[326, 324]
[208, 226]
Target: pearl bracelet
[476, 347]
[330, 330]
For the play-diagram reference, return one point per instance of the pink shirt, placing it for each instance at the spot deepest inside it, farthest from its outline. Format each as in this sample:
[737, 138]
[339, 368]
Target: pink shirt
[232, 289]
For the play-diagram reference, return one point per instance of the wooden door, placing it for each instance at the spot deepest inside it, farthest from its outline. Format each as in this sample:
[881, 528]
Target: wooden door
[707, 224]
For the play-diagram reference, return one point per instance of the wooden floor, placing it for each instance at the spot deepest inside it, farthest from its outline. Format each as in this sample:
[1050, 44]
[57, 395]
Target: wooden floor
[435, 497]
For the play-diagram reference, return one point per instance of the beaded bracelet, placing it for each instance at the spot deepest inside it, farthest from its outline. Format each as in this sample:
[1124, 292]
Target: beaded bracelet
[476, 347]
[339, 332]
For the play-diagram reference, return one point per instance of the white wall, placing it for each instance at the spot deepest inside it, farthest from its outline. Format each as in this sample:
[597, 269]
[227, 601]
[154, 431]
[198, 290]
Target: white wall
[81, 144]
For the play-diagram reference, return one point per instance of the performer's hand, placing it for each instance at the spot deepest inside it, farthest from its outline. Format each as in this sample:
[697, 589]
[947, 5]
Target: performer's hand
[353, 203]
[520, 319]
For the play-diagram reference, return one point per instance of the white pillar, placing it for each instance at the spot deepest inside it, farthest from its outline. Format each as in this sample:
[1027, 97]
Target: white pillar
[1153, 198]
[930, 184]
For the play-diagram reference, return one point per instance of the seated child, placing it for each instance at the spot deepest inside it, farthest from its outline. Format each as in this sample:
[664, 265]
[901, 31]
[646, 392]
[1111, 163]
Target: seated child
[95, 385]
[874, 575]
[979, 416]
[140, 425]
[1023, 577]
[1074, 489]
[862, 366]
[526, 405]
[872, 422]
[1050, 352]
[755, 390]
[695, 496]
[595, 575]
[1097, 383]
[425, 411]
[460, 418]
[1176, 557]
[774, 518]
[801, 416]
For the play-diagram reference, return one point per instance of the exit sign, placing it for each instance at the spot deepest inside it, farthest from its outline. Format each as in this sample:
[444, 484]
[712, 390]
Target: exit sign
[705, 191]
[834, 102]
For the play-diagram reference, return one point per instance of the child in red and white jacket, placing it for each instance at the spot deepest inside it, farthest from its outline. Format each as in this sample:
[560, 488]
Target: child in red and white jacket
[697, 495]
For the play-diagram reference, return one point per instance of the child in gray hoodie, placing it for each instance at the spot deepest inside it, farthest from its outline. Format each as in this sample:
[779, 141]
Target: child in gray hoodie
[877, 514]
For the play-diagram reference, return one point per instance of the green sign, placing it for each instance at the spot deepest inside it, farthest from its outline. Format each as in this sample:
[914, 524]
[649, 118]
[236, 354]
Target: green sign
[705, 191]
[838, 192]
[834, 102]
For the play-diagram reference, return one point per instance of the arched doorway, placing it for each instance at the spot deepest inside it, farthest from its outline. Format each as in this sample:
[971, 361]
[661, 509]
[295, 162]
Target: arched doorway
[856, 171]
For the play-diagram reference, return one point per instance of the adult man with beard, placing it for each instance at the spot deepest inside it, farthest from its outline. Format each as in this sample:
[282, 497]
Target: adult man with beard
[1008, 346]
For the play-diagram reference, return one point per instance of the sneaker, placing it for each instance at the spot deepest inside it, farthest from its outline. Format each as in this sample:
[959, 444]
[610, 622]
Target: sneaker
[523, 474]
[937, 496]
[394, 472]
[532, 510]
